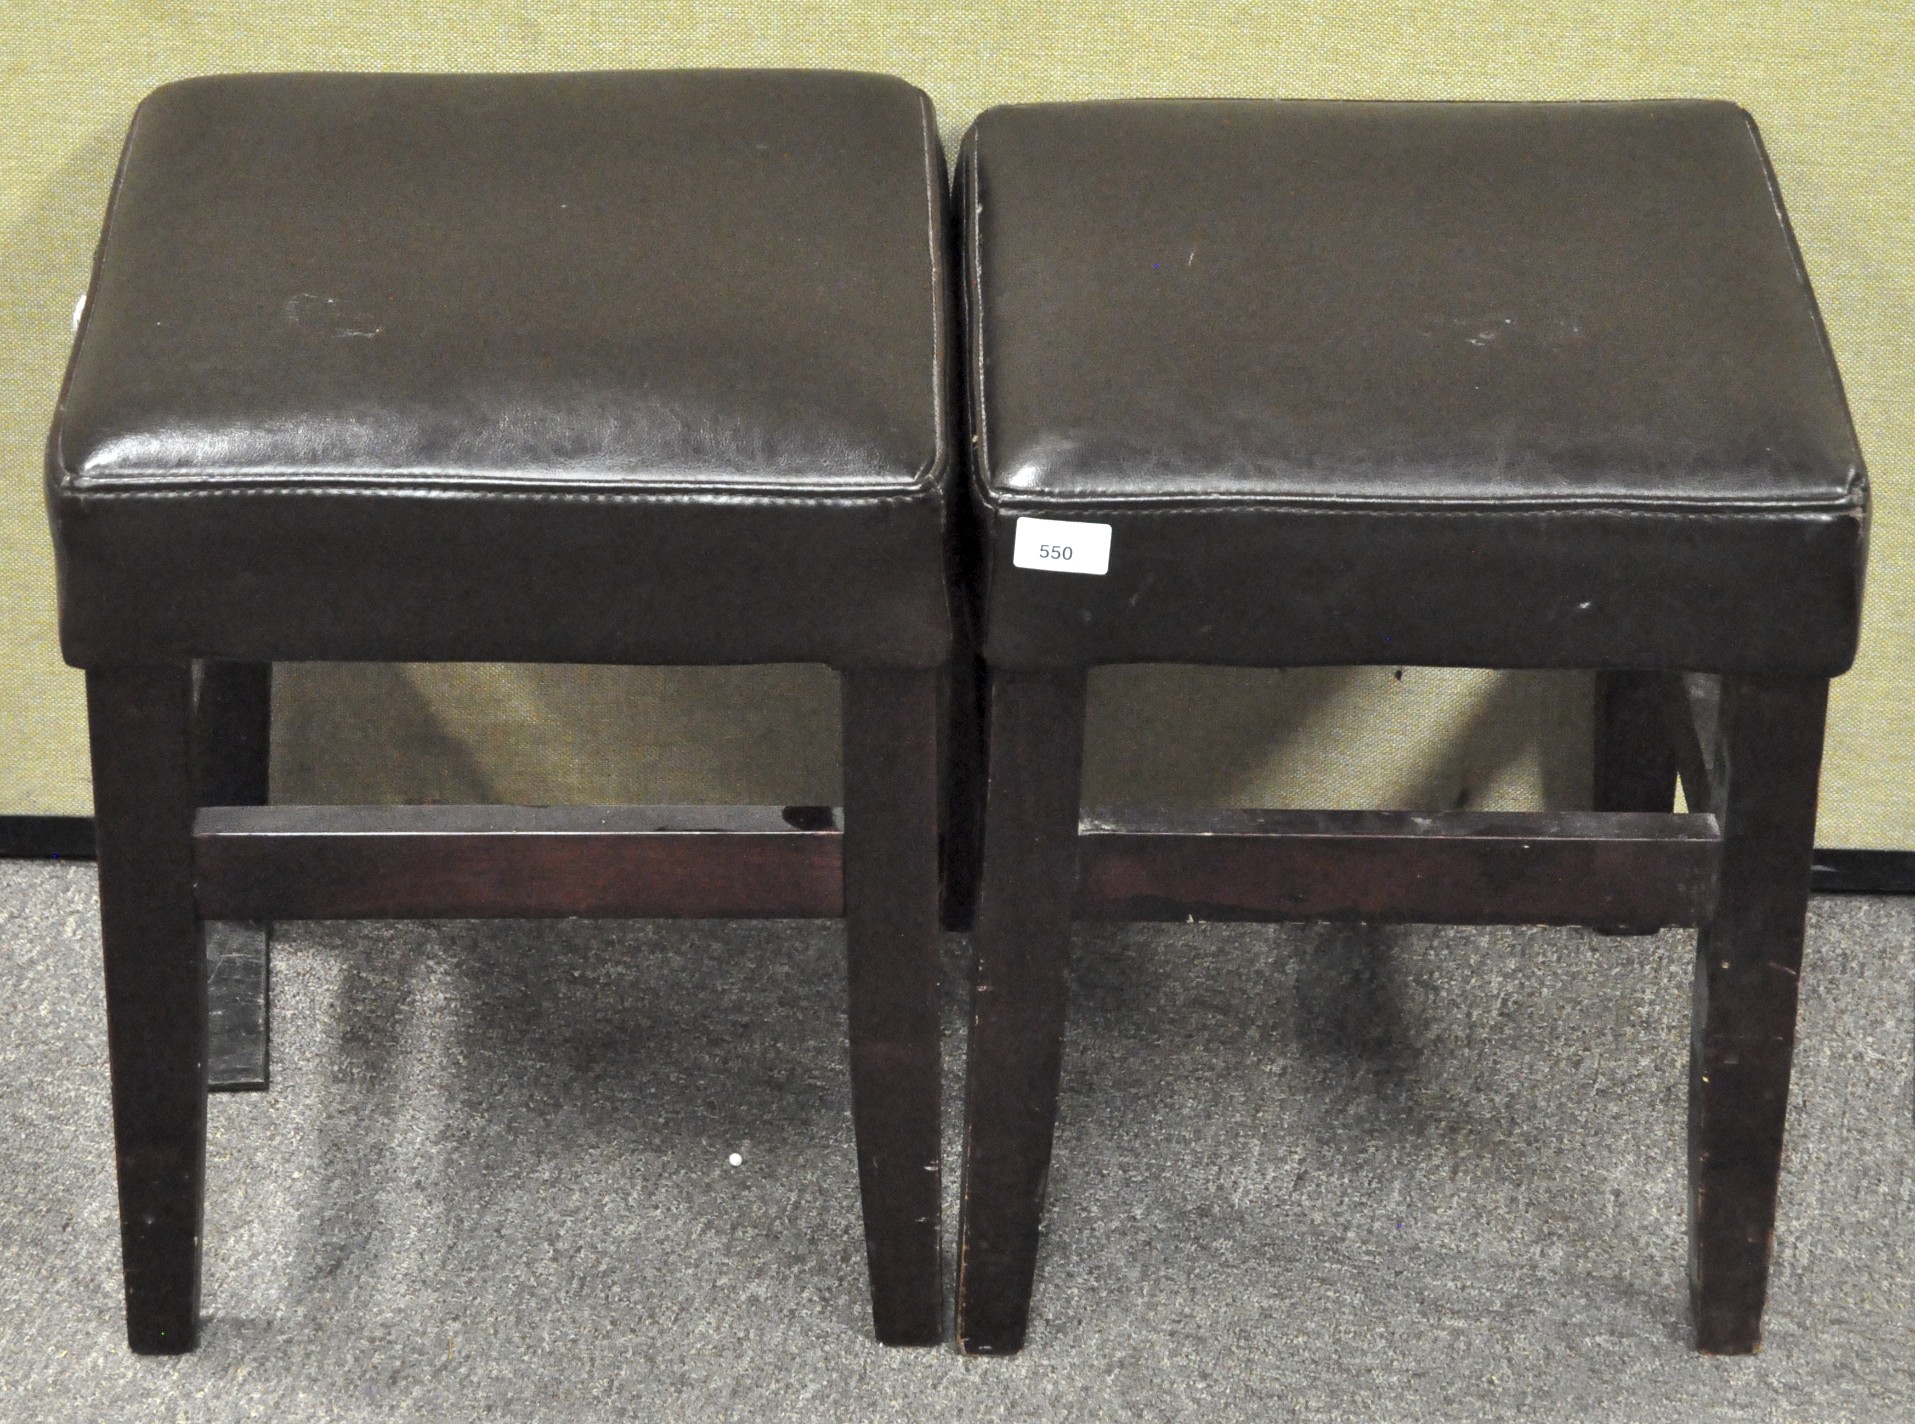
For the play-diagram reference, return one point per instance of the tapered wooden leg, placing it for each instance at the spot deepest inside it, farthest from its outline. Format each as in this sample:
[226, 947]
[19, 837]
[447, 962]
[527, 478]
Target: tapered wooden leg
[144, 796]
[233, 739]
[891, 782]
[1029, 885]
[1635, 758]
[1748, 961]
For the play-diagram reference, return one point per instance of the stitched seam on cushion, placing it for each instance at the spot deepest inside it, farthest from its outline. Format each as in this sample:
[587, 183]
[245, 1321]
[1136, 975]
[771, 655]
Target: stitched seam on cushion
[1503, 511]
[56, 456]
[268, 481]
[682, 497]
[1852, 500]
[1857, 473]
[979, 413]
[1278, 504]
[930, 474]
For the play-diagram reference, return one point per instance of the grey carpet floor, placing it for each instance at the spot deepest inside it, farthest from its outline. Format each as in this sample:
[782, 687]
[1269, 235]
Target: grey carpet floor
[1302, 1173]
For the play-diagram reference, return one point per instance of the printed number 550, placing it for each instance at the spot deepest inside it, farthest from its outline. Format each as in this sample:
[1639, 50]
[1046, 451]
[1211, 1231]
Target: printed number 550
[1064, 546]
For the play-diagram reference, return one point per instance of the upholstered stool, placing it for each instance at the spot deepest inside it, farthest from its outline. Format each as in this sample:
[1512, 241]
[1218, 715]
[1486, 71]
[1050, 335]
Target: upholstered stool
[1505, 386]
[592, 368]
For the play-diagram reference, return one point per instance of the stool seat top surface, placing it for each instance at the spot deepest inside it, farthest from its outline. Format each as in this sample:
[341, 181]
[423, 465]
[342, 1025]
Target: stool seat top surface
[715, 280]
[1444, 304]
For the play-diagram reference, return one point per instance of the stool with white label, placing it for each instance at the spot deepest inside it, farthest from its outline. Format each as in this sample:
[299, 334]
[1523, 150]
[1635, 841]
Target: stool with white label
[587, 368]
[1497, 385]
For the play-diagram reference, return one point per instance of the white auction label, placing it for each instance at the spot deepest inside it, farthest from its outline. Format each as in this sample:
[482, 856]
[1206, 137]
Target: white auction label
[1062, 545]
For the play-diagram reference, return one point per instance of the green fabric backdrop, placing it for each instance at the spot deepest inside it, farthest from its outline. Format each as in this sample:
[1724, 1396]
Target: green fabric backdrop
[1830, 86]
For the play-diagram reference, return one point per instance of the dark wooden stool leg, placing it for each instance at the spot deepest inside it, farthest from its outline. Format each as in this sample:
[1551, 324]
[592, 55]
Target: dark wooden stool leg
[144, 797]
[233, 741]
[233, 732]
[964, 759]
[1748, 961]
[1635, 757]
[1029, 886]
[891, 780]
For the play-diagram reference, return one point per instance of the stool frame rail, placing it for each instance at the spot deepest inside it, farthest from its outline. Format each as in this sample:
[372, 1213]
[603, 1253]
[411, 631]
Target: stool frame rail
[1748, 753]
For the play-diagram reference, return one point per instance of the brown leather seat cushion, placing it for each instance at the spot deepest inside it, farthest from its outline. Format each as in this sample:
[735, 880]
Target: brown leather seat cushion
[587, 367]
[1459, 384]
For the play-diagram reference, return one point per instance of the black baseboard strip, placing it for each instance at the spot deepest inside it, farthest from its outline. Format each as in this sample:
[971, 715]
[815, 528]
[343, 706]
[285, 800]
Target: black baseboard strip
[1837, 872]
[46, 837]
[1864, 872]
